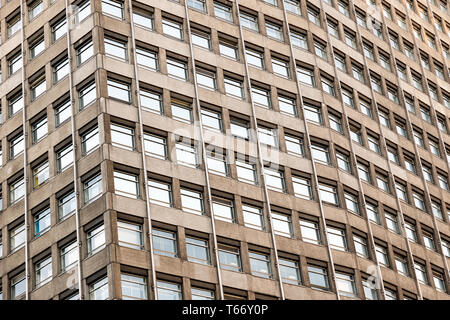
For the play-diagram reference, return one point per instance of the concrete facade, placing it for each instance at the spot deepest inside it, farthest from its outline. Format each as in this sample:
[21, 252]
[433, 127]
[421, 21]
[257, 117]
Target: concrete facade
[327, 118]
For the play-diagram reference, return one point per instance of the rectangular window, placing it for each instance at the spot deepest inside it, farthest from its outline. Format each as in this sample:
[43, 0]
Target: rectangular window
[223, 209]
[143, 19]
[113, 8]
[168, 290]
[69, 256]
[280, 67]
[246, 171]
[328, 194]
[337, 238]
[87, 95]
[294, 145]
[318, 277]
[253, 217]
[186, 154]
[90, 141]
[146, 58]
[18, 287]
[17, 237]
[206, 79]
[15, 63]
[42, 222]
[274, 31]
[85, 51]
[260, 265]
[360, 244]
[99, 289]
[14, 24]
[282, 224]
[96, 239]
[234, 87]
[41, 174]
[15, 104]
[160, 193]
[177, 69]
[43, 271]
[289, 271]
[61, 69]
[299, 40]
[92, 188]
[211, 119]
[201, 39]
[155, 146]
[63, 111]
[181, 111]
[122, 137]
[115, 48]
[38, 87]
[37, 47]
[343, 162]
[261, 97]
[192, 201]
[306, 76]
[249, 21]
[133, 287]
[130, 235]
[223, 11]
[382, 255]
[119, 90]
[172, 28]
[310, 231]
[228, 50]
[302, 187]
[197, 250]
[345, 284]
[229, 258]
[164, 242]
[126, 184]
[39, 129]
[312, 113]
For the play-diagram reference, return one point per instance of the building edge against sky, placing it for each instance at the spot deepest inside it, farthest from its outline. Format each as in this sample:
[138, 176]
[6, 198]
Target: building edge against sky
[201, 149]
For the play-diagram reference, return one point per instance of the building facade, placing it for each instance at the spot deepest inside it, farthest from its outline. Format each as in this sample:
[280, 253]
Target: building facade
[215, 149]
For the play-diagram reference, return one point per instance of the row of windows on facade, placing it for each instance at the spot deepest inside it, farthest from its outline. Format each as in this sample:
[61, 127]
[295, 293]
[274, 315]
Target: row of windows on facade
[118, 49]
[192, 201]
[197, 250]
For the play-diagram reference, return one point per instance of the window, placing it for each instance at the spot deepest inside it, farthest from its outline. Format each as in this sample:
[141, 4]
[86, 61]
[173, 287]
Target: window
[417, 82]
[392, 222]
[130, 235]
[234, 87]
[274, 31]
[18, 287]
[333, 28]
[421, 272]
[197, 4]
[320, 153]
[206, 79]
[439, 282]
[87, 95]
[239, 128]
[345, 284]
[320, 49]
[374, 144]
[160, 193]
[401, 264]
[85, 51]
[376, 84]
[63, 111]
[43, 271]
[347, 97]
[419, 201]
[164, 242]
[360, 244]
[223, 11]
[223, 209]
[38, 87]
[17, 237]
[260, 264]
[217, 161]
[229, 258]
[15, 104]
[41, 174]
[350, 39]
[328, 194]
[436, 209]
[384, 118]
[253, 217]
[434, 147]
[312, 113]
[228, 50]
[192, 201]
[369, 291]
[289, 271]
[122, 136]
[318, 277]
[268, 136]
[181, 111]
[328, 85]
[14, 24]
[343, 162]
[41, 222]
[306, 76]
[427, 173]
[383, 182]
[351, 202]
[372, 212]
[299, 40]
[364, 172]
[411, 232]
[133, 287]
[261, 97]
[382, 255]
[201, 39]
[147, 59]
[401, 191]
[343, 8]
[186, 154]
[96, 239]
[365, 107]
[69, 256]
[280, 67]
[302, 187]
[99, 289]
[90, 141]
[313, 15]
[443, 181]
[37, 47]
[310, 231]
[294, 145]
[337, 239]
[92, 188]
[177, 69]
[143, 18]
[61, 69]
[82, 11]
[249, 21]
[197, 250]
[428, 240]
[340, 62]
[115, 48]
[168, 290]
[126, 184]
[201, 294]
[113, 8]
[282, 224]
[246, 171]
[15, 63]
[39, 129]
[254, 58]
[358, 72]
[155, 146]
[119, 90]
